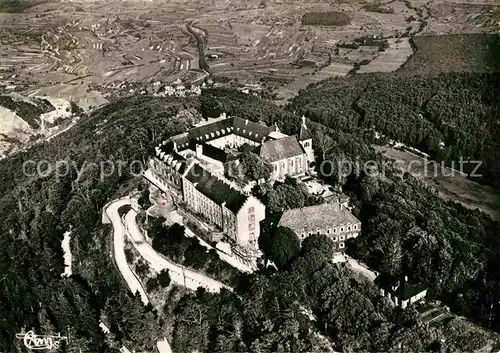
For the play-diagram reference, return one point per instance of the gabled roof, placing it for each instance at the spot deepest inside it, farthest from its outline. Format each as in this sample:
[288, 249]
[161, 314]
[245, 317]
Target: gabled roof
[171, 158]
[213, 130]
[321, 217]
[215, 189]
[400, 288]
[276, 150]
[304, 133]
[252, 131]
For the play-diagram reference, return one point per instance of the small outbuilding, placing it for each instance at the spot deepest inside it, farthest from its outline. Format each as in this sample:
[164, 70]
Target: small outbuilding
[400, 291]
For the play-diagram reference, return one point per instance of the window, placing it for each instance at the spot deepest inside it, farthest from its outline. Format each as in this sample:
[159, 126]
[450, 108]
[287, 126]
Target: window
[342, 229]
[306, 144]
[335, 230]
[355, 226]
[341, 237]
[251, 218]
[251, 209]
[349, 228]
[341, 245]
[291, 162]
[310, 233]
[302, 235]
[251, 226]
[328, 231]
[334, 238]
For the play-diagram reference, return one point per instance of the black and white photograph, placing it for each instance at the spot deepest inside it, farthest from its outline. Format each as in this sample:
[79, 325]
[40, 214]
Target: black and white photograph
[261, 176]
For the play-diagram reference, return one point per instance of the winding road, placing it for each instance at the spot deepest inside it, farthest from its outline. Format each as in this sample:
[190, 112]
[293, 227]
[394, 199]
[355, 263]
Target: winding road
[157, 262]
[111, 210]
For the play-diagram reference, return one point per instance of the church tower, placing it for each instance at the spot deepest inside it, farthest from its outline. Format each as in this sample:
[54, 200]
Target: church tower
[305, 140]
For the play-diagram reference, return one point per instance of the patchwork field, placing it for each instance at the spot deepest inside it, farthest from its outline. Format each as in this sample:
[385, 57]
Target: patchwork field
[275, 47]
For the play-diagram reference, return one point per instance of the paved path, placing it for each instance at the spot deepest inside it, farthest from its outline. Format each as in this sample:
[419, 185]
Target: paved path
[180, 275]
[119, 248]
[157, 262]
[133, 282]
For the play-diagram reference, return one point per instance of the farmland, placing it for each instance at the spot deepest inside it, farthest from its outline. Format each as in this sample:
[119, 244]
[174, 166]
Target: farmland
[91, 52]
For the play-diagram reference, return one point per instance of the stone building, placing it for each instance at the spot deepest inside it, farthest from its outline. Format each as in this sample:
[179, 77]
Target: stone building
[305, 139]
[193, 166]
[236, 214]
[332, 219]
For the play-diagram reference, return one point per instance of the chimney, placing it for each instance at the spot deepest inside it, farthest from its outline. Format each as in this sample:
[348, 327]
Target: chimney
[246, 121]
[304, 121]
[199, 151]
[175, 146]
[406, 278]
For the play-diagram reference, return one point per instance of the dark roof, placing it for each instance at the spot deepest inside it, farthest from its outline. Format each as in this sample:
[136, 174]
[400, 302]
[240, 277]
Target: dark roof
[182, 141]
[276, 150]
[337, 197]
[399, 287]
[213, 130]
[215, 189]
[321, 217]
[304, 133]
[252, 131]
[173, 159]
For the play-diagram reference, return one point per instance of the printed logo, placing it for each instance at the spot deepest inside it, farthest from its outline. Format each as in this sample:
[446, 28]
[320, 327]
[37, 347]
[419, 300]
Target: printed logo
[33, 341]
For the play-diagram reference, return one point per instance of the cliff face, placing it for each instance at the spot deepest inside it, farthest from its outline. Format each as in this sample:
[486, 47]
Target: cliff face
[25, 120]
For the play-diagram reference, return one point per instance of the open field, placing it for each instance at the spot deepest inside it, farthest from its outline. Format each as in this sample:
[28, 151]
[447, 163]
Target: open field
[102, 45]
[470, 53]
[452, 185]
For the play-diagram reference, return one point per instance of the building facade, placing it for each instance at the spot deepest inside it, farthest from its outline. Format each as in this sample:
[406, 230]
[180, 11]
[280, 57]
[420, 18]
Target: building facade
[305, 139]
[332, 219]
[193, 166]
[236, 214]
[286, 157]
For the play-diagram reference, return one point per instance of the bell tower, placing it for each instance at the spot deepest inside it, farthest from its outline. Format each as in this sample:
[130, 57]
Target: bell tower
[305, 139]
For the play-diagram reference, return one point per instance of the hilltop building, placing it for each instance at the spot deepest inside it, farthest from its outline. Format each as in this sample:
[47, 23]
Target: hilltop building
[237, 214]
[332, 219]
[193, 166]
[400, 292]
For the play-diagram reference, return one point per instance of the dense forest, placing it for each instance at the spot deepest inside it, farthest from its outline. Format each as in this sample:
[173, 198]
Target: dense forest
[309, 305]
[407, 228]
[449, 116]
[37, 210]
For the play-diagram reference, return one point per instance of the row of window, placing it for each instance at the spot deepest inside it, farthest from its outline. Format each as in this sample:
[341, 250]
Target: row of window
[341, 229]
[334, 238]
